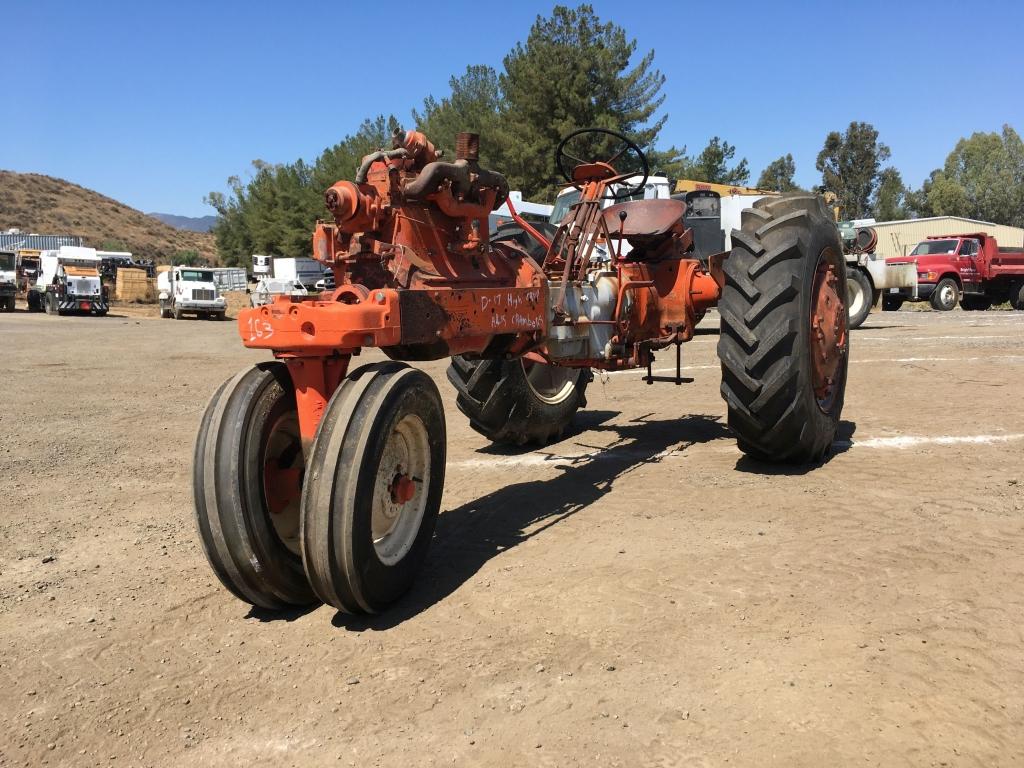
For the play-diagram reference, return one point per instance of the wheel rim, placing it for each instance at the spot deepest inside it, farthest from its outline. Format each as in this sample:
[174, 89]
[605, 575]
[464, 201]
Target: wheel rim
[401, 490]
[283, 470]
[551, 384]
[855, 295]
[947, 295]
[828, 322]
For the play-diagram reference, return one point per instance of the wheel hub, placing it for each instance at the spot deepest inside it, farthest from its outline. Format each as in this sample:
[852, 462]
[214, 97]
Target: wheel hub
[828, 332]
[551, 384]
[283, 471]
[403, 488]
[283, 485]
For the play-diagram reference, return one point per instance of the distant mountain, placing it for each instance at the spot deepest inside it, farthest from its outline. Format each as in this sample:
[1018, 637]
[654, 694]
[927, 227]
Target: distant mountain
[191, 223]
[36, 203]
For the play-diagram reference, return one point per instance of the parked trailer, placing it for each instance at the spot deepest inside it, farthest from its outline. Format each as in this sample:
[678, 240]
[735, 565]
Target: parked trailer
[268, 288]
[305, 271]
[231, 279]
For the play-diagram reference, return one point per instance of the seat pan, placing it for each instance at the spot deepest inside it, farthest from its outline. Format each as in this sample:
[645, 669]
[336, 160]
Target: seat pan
[650, 218]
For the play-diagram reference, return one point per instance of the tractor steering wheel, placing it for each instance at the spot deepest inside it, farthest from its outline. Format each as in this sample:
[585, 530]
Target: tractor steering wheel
[625, 145]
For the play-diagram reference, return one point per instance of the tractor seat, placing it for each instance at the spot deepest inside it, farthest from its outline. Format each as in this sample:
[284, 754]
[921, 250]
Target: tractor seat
[646, 220]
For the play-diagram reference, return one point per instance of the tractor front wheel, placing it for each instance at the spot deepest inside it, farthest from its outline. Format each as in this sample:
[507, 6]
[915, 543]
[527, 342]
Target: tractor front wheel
[247, 483]
[374, 489]
[784, 338]
[518, 401]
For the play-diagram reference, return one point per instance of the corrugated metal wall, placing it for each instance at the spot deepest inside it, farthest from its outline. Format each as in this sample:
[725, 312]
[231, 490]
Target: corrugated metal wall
[230, 278]
[898, 238]
[14, 242]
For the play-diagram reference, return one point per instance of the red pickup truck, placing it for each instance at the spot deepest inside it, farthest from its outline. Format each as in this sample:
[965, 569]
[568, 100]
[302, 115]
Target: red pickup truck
[970, 269]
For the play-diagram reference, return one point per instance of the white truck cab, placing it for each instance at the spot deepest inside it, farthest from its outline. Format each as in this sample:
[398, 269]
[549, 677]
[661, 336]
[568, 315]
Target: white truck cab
[69, 281]
[190, 290]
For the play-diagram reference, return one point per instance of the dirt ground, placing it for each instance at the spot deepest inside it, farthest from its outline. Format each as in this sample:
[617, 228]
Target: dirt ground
[637, 594]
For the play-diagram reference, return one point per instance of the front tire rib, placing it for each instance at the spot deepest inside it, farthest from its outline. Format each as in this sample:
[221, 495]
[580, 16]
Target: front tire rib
[242, 541]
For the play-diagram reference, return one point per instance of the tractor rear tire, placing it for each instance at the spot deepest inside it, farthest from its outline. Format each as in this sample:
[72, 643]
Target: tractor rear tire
[860, 296]
[374, 490]
[784, 281]
[246, 479]
[516, 402]
[946, 295]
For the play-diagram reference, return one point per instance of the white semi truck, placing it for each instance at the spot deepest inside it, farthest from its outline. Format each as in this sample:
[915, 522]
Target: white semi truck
[190, 290]
[8, 280]
[69, 282]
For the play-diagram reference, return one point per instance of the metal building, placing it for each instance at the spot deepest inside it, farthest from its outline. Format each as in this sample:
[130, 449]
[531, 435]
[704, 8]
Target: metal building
[18, 241]
[898, 238]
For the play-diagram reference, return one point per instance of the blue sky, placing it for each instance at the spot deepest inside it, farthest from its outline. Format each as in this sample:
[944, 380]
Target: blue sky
[156, 104]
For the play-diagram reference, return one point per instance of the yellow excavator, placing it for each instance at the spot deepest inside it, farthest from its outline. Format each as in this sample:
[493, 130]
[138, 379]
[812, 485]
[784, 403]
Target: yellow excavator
[689, 185]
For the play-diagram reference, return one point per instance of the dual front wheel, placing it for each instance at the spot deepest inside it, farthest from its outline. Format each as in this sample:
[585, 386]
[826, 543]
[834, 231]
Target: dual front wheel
[352, 532]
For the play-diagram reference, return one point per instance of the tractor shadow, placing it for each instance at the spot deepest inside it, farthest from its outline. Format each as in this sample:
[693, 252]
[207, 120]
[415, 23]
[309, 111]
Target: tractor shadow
[287, 615]
[470, 535]
[583, 422]
[842, 443]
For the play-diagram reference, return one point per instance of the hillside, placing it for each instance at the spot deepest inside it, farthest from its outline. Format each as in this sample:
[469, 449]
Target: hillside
[36, 203]
[191, 223]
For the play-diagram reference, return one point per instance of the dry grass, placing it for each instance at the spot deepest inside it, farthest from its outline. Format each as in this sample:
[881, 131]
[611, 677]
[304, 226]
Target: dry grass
[36, 203]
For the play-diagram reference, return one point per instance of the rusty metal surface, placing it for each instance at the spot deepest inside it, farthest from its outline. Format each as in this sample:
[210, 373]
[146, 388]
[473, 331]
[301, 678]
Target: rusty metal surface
[317, 328]
[644, 218]
[453, 314]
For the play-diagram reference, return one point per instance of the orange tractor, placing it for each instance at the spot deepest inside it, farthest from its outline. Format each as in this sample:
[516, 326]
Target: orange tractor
[318, 480]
